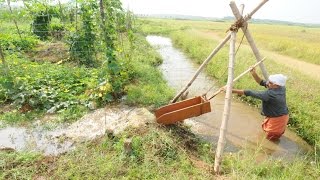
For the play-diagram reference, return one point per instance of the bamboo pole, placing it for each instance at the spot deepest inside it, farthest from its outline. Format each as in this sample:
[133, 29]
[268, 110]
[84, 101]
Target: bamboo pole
[5, 66]
[14, 20]
[241, 9]
[247, 17]
[61, 12]
[249, 38]
[203, 65]
[76, 16]
[238, 77]
[227, 104]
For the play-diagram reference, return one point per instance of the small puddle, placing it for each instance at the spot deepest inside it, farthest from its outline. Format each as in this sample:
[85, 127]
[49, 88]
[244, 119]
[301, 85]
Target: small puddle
[244, 127]
[112, 119]
[38, 139]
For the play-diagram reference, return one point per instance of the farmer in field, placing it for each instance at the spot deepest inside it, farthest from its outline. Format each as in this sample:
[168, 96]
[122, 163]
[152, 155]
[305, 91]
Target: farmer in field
[274, 106]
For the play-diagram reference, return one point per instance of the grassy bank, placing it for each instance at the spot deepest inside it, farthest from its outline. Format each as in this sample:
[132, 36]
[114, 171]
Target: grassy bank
[148, 88]
[156, 153]
[302, 91]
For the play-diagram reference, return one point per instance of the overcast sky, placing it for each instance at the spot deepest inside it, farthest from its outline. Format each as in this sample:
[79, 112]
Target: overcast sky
[304, 11]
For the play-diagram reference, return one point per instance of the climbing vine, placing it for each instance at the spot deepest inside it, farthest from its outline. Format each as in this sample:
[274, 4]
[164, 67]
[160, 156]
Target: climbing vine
[82, 42]
[111, 11]
[42, 15]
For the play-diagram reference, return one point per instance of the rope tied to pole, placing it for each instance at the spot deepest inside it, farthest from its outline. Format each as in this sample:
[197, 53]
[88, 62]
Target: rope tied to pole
[237, 25]
[205, 94]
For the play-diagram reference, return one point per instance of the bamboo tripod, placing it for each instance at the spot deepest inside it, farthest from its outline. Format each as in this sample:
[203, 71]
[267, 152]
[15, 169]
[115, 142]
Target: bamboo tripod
[241, 22]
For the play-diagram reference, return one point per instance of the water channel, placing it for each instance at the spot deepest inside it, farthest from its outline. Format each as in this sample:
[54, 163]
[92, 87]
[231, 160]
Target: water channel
[244, 127]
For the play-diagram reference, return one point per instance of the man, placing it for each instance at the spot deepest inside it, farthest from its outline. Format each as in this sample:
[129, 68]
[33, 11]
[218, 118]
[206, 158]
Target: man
[274, 106]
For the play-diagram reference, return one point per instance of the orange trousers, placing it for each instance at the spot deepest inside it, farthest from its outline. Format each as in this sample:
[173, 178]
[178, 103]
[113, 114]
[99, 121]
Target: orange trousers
[275, 126]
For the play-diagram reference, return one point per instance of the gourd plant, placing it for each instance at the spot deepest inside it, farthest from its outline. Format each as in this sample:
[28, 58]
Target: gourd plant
[82, 41]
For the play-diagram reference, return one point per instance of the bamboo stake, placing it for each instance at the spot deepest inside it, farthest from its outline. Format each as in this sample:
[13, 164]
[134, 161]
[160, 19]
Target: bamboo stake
[248, 16]
[249, 37]
[76, 16]
[61, 11]
[226, 112]
[14, 20]
[214, 52]
[5, 66]
[241, 9]
[238, 77]
[227, 104]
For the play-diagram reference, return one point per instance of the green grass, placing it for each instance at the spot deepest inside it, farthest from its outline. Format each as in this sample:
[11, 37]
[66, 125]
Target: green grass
[15, 117]
[156, 153]
[148, 87]
[244, 165]
[18, 165]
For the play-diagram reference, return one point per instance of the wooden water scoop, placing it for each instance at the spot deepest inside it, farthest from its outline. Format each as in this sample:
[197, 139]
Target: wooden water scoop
[192, 107]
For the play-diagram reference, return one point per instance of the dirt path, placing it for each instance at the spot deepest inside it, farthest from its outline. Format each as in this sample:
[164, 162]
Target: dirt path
[309, 69]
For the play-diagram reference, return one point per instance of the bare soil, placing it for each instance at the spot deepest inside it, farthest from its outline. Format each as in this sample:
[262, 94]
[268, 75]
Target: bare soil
[50, 52]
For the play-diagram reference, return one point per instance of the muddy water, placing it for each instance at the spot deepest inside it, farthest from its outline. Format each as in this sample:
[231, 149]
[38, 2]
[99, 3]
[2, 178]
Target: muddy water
[112, 119]
[39, 139]
[244, 127]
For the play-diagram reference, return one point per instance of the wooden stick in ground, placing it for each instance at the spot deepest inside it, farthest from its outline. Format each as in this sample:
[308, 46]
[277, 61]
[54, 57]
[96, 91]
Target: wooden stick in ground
[227, 104]
[14, 20]
[238, 77]
[249, 38]
[5, 67]
[214, 52]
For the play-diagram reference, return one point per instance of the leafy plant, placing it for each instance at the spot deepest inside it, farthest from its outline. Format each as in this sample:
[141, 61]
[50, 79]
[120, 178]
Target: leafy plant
[57, 29]
[13, 42]
[81, 42]
[41, 21]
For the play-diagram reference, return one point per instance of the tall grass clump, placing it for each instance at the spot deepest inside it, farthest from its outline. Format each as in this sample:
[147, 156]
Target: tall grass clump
[154, 153]
[246, 165]
[148, 86]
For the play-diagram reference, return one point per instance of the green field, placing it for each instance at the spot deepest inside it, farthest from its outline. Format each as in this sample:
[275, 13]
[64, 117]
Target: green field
[294, 41]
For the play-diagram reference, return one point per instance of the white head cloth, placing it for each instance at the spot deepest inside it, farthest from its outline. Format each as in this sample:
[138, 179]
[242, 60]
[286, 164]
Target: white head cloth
[278, 79]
